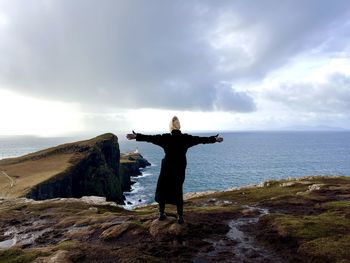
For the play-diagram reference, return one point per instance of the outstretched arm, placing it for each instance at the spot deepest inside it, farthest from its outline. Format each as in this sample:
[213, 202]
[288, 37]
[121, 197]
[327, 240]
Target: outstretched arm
[194, 140]
[155, 139]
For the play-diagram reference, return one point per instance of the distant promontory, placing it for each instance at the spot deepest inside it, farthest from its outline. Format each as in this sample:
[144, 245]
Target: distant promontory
[84, 168]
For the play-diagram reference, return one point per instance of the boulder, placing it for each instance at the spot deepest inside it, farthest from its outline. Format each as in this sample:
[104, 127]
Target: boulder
[167, 229]
[118, 230]
[314, 187]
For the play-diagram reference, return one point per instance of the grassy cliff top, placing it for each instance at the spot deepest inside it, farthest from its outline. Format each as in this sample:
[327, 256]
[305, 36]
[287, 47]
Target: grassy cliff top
[19, 175]
[130, 157]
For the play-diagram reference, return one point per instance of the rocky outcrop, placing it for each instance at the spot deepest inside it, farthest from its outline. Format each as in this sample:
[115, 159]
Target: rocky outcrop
[76, 169]
[130, 164]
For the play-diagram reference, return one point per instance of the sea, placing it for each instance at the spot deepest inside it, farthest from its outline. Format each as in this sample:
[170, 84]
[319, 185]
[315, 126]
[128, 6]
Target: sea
[243, 158]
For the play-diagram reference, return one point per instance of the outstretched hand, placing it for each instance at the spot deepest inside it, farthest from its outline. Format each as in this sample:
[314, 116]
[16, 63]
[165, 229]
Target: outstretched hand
[131, 136]
[218, 138]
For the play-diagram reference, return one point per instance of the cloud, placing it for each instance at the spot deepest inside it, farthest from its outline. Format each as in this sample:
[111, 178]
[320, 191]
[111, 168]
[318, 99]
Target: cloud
[331, 96]
[157, 54]
[228, 99]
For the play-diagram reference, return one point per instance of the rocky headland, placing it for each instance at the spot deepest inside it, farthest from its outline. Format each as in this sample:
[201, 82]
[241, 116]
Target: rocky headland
[130, 164]
[294, 220]
[92, 167]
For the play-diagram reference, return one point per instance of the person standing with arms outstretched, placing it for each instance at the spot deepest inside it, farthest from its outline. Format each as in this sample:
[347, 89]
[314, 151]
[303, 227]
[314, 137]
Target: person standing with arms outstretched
[172, 173]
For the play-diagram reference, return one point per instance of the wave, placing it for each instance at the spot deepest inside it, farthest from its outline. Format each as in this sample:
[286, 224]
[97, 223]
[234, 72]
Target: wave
[144, 175]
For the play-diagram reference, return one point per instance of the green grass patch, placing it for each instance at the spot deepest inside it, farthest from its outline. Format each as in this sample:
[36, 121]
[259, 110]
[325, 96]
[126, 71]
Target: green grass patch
[58, 207]
[147, 210]
[323, 225]
[261, 194]
[17, 255]
[328, 249]
[312, 227]
[113, 209]
[66, 245]
[336, 205]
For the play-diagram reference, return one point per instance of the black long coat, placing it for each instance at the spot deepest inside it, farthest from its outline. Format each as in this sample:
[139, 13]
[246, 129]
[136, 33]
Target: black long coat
[172, 173]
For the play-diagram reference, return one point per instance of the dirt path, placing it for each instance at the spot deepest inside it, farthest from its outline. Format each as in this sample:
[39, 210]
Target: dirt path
[12, 182]
[239, 245]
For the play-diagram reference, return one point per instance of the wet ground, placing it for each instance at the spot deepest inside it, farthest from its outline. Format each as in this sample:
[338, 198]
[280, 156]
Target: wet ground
[238, 245]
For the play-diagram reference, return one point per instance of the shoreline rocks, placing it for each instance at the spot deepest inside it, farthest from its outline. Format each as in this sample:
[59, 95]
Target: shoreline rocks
[130, 165]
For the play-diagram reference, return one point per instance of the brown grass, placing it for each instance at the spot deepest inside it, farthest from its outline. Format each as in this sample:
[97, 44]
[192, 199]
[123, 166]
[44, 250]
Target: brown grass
[34, 168]
[28, 173]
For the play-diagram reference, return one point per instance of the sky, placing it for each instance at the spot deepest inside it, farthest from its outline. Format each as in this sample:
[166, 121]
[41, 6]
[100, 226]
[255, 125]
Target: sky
[88, 67]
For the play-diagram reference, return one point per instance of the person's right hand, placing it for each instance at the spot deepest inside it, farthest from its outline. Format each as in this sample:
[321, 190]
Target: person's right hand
[131, 136]
[218, 138]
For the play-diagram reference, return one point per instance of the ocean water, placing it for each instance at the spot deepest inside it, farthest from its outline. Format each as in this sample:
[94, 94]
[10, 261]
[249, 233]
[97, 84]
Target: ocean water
[246, 158]
[243, 158]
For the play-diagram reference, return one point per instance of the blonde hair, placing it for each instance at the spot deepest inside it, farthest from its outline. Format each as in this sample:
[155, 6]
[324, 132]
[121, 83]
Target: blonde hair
[174, 124]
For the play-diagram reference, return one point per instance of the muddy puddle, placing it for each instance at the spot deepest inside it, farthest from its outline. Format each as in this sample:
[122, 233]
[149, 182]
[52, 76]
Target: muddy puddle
[24, 235]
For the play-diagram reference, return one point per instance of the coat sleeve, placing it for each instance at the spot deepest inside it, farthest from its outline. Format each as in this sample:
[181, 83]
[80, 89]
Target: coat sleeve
[155, 139]
[194, 140]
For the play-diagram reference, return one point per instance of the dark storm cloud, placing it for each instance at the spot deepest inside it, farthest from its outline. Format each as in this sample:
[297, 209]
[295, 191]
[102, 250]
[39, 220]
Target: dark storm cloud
[157, 54]
[228, 99]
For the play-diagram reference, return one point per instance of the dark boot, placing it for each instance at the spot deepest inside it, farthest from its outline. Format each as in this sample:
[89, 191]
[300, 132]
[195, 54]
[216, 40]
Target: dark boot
[162, 216]
[180, 219]
[180, 211]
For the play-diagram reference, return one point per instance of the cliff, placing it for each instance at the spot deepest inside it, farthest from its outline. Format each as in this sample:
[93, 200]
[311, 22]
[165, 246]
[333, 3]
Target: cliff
[295, 220]
[130, 164]
[89, 167]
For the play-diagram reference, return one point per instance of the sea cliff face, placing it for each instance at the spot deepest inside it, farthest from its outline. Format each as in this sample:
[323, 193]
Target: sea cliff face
[95, 173]
[83, 168]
